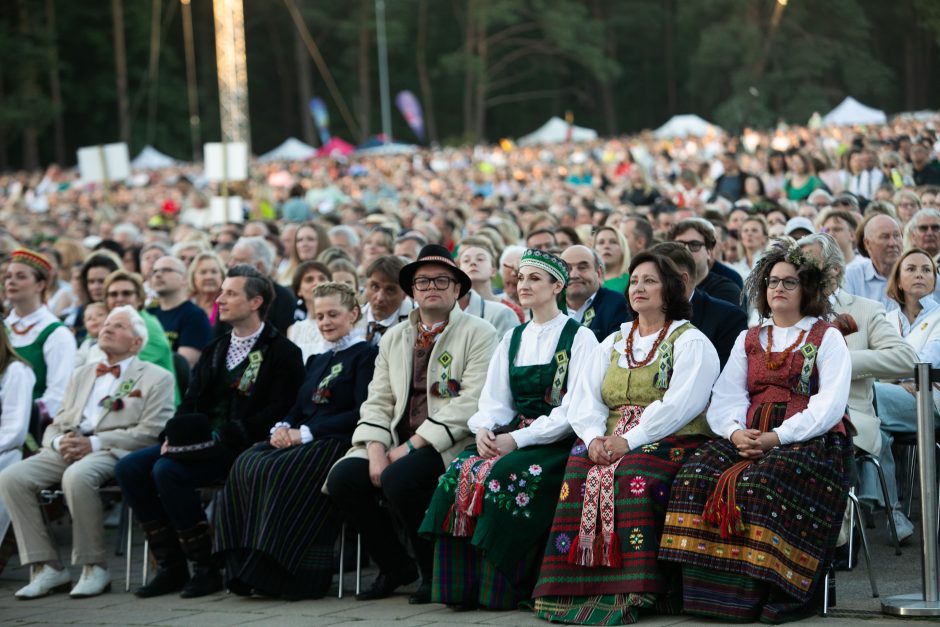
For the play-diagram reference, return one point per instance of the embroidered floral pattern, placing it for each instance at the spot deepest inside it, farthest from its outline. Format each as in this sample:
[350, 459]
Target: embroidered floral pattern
[636, 538]
[562, 543]
[516, 495]
[565, 491]
[637, 486]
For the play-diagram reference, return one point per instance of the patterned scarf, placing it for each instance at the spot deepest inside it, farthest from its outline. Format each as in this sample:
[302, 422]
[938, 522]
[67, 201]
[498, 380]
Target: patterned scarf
[599, 490]
[426, 336]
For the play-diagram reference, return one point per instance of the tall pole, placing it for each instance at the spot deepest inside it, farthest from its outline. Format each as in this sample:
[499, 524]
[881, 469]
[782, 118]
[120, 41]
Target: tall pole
[120, 63]
[383, 69]
[192, 92]
[232, 68]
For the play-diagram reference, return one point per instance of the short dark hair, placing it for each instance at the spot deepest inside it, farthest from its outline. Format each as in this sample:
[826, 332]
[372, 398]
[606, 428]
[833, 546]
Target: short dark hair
[813, 299]
[680, 256]
[642, 226]
[304, 268]
[256, 284]
[105, 260]
[675, 305]
[389, 265]
[700, 225]
[539, 232]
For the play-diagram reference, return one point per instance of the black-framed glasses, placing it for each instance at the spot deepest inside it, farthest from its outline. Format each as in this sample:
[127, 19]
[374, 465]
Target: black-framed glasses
[423, 284]
[789, 284]
[694, 246]
[923, 228]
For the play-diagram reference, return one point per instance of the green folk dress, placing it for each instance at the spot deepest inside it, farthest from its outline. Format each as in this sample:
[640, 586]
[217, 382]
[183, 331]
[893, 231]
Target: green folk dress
[493, 560]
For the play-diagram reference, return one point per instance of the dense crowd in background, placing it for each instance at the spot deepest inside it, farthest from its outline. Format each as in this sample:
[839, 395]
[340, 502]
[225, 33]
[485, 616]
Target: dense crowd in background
[332, 256]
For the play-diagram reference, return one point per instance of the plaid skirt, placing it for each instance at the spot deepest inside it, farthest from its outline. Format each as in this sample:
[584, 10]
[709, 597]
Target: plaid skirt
[567, 592]
[791, 503]
[275, 529]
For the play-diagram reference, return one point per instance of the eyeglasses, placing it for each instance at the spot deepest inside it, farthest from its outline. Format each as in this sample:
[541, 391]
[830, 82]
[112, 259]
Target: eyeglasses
[693, 246]
[789, 284]
[423, 284]
[923, 228]
[121, 294]
[165, 270]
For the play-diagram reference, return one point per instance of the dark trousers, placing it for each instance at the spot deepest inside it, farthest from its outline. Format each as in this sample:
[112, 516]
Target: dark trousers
[162, 489]
[407, 488]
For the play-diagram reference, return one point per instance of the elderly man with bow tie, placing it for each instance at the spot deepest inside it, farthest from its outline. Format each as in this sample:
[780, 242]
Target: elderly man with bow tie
[110, 408]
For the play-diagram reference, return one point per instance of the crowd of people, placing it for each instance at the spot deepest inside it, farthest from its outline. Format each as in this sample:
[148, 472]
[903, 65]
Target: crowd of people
[598, 380]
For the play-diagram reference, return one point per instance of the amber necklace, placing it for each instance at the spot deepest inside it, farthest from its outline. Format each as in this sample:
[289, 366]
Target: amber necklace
[22, 331]
[774, 365]
[632, 363]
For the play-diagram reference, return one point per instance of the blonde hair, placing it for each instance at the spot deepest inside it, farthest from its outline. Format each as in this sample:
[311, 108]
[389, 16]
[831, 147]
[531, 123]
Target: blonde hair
[191, 271]
[346, 295]
[624, 249]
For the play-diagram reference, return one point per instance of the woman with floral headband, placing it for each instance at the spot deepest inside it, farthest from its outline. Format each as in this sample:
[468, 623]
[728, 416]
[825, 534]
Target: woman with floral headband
[754, 515]
[490, 513]
[275, 528]
[640, 414]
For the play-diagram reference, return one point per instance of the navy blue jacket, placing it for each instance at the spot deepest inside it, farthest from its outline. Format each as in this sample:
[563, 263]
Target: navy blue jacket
[610, 311]
[719, 320]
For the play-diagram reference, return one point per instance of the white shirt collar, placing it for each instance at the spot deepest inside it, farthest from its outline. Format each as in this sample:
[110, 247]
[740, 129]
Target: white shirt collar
[124, 365]
[248, 338]
[805, 323]
[28, 319]
[350, 339]
[554, 322]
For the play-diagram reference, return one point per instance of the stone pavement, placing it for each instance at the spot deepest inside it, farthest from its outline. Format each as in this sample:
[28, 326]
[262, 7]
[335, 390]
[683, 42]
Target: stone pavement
[895, 575]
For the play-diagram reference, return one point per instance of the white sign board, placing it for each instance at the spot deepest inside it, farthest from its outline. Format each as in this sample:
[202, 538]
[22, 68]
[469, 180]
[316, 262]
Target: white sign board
[222, 210]
[226, 162]
[110, 162]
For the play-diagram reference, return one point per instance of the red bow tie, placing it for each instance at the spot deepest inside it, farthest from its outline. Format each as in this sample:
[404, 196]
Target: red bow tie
[104, 369]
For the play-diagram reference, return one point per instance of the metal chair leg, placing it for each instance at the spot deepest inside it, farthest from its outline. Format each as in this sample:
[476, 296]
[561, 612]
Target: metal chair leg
[856, 507]
[889, 508]
[128, 554]
[911, 472]
[342, 555]
[358, 561]
[122, 529]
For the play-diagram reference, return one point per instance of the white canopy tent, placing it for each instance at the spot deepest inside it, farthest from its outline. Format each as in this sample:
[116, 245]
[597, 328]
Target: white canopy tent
[850, 112]
[152, 159]
[555, 131]
[685, 125]
[291, 150]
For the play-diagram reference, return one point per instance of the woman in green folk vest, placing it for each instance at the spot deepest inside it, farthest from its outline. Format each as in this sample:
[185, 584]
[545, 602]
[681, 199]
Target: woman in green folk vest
[640, 413]
[35, 333]
[491, 510]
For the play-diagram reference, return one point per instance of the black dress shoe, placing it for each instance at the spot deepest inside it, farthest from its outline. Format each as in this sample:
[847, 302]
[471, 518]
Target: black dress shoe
[464, 606]
[386, 583]
[422, 595]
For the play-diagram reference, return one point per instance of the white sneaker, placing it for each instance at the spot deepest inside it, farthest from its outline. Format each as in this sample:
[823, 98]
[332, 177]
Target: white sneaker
[94, 581]
[904, 526]
[43, 581]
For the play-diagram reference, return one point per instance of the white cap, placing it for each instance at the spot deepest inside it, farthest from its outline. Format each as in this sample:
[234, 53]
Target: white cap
[799, 222]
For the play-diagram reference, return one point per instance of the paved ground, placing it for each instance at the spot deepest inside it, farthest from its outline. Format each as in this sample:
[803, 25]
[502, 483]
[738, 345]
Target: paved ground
[895, 575]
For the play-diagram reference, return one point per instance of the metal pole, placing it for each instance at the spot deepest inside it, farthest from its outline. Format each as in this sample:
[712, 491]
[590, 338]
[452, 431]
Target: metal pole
[192, 93]
[383, 69]
[928, 602]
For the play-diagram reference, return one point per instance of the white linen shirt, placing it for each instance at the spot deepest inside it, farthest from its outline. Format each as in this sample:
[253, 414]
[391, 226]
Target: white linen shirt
[58, 352]
[16, 388]
[537, 346]
[731, 400]
[695, 368]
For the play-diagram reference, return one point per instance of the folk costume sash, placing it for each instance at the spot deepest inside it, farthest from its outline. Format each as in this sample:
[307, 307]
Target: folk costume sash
[525, 383]
[792, 384]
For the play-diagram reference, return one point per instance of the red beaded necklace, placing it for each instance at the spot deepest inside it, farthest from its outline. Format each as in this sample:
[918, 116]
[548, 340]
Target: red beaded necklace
[632, 363]
[774, 365]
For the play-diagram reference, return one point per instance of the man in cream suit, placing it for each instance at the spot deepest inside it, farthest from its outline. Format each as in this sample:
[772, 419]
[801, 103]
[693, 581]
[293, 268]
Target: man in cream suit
[878, 352]
[110, 408]
[428, 377]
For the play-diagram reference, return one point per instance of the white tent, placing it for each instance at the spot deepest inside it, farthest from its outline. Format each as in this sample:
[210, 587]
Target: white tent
[555, 131]
[686, 125]
[291, 150]
[850, 111]
[152, 159]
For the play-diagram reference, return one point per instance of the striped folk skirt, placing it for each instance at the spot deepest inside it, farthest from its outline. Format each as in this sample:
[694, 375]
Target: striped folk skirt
[275, 528]
[495, 566]
[791, 503]
[604, 595]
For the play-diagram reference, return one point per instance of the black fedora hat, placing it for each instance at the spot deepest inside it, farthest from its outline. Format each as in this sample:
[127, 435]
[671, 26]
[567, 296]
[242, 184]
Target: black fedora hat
[437, 254]
[189, 437]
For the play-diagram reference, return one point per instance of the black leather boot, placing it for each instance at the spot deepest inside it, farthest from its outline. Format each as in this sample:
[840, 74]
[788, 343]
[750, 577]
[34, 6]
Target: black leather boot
[172, 571]
[197, 545]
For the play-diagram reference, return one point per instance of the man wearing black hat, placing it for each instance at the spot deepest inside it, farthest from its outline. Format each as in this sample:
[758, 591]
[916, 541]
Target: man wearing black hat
[428, 378]
[243, 383]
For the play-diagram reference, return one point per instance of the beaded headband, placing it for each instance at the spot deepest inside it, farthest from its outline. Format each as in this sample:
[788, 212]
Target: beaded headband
[33, 260]
[547, 262]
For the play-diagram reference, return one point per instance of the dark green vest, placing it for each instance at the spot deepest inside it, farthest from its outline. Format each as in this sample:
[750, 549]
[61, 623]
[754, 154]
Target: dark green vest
[532, 386]
[32, 353]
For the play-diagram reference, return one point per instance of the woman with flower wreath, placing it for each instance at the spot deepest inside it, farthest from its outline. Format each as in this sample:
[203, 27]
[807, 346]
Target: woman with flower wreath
[491, 510]
[275, 527]
[639, 415]
[754, 515]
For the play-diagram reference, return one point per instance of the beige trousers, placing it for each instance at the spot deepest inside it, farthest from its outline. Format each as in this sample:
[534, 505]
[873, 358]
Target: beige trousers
[20, 484]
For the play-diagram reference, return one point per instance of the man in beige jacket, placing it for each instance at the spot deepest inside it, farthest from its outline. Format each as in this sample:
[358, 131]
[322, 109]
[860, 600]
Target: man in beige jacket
[110, 408]
[428, 377]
